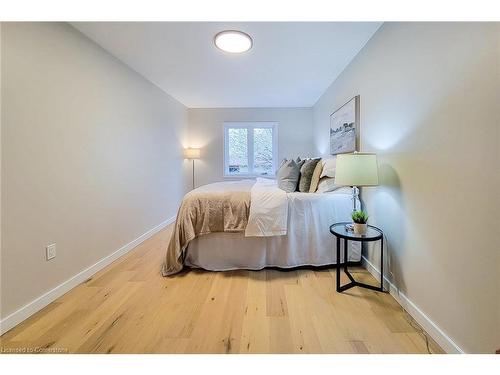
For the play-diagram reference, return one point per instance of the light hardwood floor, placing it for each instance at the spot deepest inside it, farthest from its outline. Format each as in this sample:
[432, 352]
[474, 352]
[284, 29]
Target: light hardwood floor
[130, 308]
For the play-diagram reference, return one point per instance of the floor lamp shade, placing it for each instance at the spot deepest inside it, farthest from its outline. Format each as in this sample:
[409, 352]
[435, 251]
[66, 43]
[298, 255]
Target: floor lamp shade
[359, 169]
[191, 153]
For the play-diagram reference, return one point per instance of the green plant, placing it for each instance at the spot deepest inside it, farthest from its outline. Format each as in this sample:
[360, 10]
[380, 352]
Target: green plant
[359, 217]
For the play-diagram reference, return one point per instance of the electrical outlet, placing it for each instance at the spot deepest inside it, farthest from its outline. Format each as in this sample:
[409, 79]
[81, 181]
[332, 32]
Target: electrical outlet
[51, 251]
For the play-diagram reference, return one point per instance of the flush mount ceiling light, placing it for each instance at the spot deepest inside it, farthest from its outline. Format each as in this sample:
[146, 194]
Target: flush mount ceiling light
[233, 41]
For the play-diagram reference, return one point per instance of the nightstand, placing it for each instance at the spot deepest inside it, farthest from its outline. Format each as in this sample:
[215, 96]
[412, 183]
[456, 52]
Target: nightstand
[372, 234]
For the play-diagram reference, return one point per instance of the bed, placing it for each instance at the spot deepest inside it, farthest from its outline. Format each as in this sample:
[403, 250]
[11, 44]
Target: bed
[253, 225]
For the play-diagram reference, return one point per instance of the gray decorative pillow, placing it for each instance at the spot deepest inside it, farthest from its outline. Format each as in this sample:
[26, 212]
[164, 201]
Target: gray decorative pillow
[306, 173]
[288, 176]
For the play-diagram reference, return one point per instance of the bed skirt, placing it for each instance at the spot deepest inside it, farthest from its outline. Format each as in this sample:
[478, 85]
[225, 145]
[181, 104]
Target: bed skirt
[230, 251]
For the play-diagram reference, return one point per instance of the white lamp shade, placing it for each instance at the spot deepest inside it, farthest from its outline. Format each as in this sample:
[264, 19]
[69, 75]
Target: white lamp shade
[356, 170]
[191, 153]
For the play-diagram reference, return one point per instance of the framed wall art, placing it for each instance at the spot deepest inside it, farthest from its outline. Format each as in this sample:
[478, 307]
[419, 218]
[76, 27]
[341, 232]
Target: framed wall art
[344, 128]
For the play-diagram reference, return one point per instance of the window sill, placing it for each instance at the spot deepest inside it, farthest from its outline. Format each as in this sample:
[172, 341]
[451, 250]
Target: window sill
[233, 176]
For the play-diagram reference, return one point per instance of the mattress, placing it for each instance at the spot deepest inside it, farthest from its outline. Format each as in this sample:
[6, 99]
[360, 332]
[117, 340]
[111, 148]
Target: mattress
[308, 240]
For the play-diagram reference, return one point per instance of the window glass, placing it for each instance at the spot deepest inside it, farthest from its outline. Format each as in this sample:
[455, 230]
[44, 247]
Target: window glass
[238, 150]
[250, 148]
[263, 151]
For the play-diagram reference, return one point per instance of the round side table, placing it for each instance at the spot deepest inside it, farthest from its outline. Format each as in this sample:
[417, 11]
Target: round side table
[372, 234]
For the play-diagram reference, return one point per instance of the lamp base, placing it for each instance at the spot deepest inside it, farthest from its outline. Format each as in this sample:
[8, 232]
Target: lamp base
[355, 195]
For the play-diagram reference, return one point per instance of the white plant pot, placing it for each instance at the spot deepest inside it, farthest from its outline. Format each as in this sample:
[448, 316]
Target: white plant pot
[360, 228]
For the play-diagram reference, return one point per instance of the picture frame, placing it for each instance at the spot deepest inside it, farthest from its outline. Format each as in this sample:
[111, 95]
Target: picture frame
[344, 128]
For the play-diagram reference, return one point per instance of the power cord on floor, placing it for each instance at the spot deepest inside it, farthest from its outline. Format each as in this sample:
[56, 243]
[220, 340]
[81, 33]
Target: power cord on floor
[417, 327]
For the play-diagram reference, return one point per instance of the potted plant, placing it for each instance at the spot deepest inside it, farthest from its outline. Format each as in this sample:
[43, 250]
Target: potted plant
[359, 218]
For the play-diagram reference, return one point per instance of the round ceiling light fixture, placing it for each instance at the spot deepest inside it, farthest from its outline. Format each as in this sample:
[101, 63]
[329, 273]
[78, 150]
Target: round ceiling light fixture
[233, 41]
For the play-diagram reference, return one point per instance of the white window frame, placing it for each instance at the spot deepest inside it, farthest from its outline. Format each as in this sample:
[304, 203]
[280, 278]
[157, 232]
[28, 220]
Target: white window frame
[249, 125]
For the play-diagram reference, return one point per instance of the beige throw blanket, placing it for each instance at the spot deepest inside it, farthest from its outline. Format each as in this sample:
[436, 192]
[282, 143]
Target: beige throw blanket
[218, 207]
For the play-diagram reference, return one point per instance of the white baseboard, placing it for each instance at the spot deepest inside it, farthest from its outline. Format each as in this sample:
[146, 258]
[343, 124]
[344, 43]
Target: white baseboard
[437, 334]
[39, 303]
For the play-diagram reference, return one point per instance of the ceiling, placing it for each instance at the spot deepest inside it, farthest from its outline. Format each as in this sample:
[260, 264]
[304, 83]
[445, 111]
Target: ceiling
[291, 64]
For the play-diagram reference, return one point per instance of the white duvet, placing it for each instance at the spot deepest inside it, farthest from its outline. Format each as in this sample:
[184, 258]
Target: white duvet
[268, 210]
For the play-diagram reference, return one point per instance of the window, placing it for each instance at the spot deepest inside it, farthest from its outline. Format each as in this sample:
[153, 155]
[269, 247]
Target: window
[250, 148]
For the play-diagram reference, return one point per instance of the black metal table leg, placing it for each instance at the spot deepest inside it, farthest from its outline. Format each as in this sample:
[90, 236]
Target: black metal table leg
[345, 255]
[382, 264]
[338, 264]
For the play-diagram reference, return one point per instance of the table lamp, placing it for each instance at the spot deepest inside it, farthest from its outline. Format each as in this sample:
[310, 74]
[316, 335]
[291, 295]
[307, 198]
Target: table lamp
[192, 153]
[357, 169]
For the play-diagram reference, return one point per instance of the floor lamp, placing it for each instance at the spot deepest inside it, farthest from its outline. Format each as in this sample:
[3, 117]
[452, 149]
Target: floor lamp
[192, 154]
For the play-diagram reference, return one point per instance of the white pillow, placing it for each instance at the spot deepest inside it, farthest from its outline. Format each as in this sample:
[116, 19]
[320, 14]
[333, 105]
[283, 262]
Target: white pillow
[329, 165]
[327, 184]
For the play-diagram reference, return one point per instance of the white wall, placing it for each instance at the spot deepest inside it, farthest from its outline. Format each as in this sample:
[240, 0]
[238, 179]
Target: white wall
[498, 169]
[295, 135]
[430, 109]
[1, 116]
[91, 157]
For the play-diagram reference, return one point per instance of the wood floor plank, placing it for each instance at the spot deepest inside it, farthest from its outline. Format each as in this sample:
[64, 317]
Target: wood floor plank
[280, 336]
[255, 337]
[300, 310]
[275, 293]
[128, 307]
